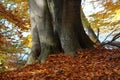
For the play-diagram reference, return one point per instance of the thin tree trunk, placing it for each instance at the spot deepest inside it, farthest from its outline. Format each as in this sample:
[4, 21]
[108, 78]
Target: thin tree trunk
[88, 28]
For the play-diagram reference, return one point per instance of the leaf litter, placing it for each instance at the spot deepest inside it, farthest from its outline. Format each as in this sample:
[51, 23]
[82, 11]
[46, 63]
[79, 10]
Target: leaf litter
[97, 64]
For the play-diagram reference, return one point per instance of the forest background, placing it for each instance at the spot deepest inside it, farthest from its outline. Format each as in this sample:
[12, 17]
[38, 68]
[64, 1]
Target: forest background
[15, 38]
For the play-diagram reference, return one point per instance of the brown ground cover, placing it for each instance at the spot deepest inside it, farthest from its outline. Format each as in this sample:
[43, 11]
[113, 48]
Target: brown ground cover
[97, 64]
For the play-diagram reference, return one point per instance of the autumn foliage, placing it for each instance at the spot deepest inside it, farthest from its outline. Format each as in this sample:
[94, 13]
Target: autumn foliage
[98, 64]
[14, 20]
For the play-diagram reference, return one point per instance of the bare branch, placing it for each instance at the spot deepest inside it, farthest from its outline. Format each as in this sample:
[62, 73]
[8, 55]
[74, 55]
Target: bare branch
[112, 42]
[109, 35]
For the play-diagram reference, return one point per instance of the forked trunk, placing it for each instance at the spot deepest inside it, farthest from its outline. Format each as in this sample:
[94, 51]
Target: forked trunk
[56, 27]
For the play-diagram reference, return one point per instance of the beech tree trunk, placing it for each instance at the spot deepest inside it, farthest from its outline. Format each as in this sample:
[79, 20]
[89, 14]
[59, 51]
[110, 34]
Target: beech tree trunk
[56, 27]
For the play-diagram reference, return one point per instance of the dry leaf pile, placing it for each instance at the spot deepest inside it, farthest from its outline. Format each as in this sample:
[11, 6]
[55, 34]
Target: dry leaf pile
[97, 64]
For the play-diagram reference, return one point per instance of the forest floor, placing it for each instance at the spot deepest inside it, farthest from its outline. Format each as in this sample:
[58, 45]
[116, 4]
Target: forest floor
[97, 64]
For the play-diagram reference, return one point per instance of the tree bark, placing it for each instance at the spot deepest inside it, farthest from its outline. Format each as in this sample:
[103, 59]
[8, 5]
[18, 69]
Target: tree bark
[43, 38]
[56, 27]
[68, 37]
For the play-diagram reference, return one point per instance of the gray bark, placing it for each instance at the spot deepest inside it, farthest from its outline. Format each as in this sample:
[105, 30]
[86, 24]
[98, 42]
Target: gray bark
[56, 27]
[69, 39]
[43, 38]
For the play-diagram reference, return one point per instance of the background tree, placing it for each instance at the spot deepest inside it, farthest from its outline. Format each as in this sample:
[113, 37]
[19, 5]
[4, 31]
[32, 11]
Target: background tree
[107, 18]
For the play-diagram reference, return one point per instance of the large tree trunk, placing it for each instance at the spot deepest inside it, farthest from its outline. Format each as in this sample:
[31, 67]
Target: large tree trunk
[72, 30]
[56, 26]
[44, 41]
[68, 36]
